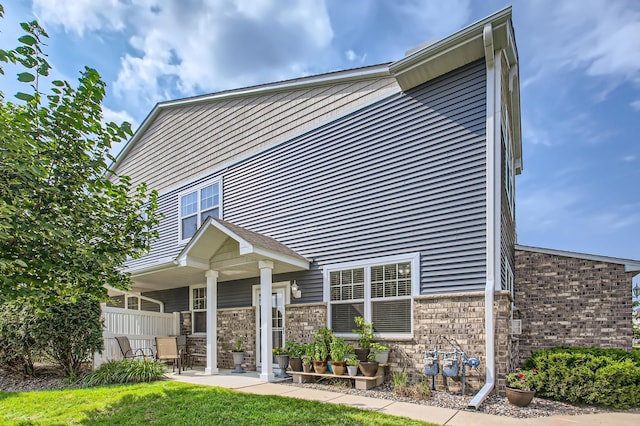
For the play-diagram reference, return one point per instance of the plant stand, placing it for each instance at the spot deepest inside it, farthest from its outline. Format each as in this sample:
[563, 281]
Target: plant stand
[519, 397]
[283, 363]
[238, 357]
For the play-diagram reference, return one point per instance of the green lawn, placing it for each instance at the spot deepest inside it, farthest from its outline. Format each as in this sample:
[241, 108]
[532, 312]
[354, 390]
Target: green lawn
[172, 403]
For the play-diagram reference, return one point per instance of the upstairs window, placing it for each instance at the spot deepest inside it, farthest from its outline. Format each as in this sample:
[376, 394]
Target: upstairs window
[196, 206]
[379, 290]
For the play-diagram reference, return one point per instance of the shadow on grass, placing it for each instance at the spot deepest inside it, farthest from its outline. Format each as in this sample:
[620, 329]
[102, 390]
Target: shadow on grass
[191, 404]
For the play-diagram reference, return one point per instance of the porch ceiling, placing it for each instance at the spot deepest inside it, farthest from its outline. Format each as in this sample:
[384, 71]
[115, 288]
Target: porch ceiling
[224, 247]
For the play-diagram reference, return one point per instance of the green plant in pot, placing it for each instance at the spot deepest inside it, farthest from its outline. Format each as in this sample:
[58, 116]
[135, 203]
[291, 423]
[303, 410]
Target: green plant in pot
[238, 357]
[381, 352]
[295, 351]
[370, 367]
[521, 387]
[365, 338]
[352, 364]
[339, 350]
[321, 351]
[307, 357]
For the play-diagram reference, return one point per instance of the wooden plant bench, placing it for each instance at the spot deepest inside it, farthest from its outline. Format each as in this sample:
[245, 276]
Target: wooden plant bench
[362, 382]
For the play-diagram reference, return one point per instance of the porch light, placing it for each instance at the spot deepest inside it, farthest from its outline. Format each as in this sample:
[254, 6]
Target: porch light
[295, 290]
[636, 291]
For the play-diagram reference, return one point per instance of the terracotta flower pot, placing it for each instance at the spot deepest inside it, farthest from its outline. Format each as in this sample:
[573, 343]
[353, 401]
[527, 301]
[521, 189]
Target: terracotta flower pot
[520, 397]
[339, 367]
[320, 367]
[369, 369]
[306, 368]
[295, 364]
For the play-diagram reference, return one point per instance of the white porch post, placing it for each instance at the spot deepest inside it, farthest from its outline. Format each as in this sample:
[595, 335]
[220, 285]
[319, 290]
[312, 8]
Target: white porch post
[266, 269]
[212, 322]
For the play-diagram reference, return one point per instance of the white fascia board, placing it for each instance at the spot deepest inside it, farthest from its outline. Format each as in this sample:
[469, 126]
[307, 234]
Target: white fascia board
[457, 39]
[166, 263]
[290, 260]
[630, 264]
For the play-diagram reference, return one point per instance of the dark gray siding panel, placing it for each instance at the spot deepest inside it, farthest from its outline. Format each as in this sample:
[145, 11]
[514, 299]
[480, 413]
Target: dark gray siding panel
[406, 174]
[239, 293]
[175, 299]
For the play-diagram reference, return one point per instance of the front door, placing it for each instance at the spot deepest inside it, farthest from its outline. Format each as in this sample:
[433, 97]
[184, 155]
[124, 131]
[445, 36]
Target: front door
[278, 300]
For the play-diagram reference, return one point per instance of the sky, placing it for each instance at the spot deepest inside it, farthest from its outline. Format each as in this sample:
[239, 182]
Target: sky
[579, 76]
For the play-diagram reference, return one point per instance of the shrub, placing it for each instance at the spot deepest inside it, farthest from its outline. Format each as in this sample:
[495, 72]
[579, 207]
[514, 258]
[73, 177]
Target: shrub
[68, 333]
[400, 383]
[126, 371]
[607, 377]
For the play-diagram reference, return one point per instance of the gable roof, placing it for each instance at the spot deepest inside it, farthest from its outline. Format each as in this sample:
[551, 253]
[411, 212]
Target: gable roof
[629, 264]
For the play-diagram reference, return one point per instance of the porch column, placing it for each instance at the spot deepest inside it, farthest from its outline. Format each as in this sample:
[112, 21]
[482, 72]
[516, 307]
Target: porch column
[266, 343]
[212, 322]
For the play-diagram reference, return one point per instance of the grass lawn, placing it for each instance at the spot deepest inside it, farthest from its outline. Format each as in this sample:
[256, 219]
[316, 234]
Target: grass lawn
[171, 403]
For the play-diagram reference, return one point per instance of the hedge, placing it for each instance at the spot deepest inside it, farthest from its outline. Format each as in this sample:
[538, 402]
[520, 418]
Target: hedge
[605, 377]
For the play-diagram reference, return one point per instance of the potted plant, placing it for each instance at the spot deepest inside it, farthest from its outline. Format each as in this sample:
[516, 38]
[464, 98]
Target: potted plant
[352, 365]
[307, 357]
[365, 338]
[370, 367]
[321, 352]
[381, 352]
[282, 358]
[520, 387]
[295, 351]
[238, 357]
[339, 349]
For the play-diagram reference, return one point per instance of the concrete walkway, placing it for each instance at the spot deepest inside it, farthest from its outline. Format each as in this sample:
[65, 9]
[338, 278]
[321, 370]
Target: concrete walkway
[250, 383]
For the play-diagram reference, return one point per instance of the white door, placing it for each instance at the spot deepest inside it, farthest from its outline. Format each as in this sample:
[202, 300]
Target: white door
[279, 298]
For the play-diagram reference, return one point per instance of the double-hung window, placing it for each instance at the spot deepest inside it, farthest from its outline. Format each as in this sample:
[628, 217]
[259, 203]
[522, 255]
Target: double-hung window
[198, 302]
[379, 290]
[196, 206]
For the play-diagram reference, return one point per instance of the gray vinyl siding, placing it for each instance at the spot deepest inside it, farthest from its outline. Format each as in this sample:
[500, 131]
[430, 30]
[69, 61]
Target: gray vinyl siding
[175, 299]
[406, 174]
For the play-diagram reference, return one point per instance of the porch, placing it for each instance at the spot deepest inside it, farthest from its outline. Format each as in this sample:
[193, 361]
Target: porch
[217, 253]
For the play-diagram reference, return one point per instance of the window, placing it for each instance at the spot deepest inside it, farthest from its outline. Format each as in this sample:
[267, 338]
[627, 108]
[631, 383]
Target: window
[380, 290]
[199, 309]
[196, 206]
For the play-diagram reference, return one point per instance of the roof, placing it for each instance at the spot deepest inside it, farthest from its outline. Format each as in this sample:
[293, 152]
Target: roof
[630, 264]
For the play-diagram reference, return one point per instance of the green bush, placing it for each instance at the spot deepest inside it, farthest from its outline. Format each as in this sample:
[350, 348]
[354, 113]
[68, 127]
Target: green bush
[126, 371]
[606, 377]
[69, 333]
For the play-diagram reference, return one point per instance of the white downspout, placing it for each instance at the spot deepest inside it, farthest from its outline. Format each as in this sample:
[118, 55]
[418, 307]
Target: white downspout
[490, 367]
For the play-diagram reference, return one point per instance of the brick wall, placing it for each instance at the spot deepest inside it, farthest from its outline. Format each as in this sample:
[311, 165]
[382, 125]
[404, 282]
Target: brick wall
[233, 324]
[303, 320]
[571, 301]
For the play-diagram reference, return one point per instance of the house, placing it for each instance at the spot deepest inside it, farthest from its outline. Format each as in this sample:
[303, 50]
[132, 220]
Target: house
[385, 191]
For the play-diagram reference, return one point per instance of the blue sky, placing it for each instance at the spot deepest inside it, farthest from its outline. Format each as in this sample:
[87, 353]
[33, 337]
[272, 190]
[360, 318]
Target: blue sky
[579, 72]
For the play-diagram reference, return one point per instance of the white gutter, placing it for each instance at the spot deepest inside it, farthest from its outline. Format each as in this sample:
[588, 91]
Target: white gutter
[492, 242]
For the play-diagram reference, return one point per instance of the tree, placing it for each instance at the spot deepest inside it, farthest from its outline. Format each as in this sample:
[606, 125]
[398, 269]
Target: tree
[67, 222]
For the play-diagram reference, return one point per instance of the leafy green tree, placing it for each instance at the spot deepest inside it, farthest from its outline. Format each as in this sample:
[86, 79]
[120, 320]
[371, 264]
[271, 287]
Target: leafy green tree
[67, 222]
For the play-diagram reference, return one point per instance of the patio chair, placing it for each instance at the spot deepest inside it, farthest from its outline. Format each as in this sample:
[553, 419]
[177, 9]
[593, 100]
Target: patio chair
[128, 353]
[167, 350]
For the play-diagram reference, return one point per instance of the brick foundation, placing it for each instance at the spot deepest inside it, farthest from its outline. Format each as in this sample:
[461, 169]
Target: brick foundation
[572, 302]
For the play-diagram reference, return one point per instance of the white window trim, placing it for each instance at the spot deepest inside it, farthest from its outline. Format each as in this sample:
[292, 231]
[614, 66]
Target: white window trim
[509, 157]
[191, 288]
[197, 189]
[412, 258]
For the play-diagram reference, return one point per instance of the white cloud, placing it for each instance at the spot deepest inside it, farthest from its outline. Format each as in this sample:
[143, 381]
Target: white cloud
[118, 117]
[629, 158]
[636, 105]
[354, 57]
[601, 37]
[82, 15]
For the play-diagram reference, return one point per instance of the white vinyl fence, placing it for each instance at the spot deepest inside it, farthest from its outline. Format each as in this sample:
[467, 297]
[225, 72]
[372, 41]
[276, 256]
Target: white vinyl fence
[140, 326]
